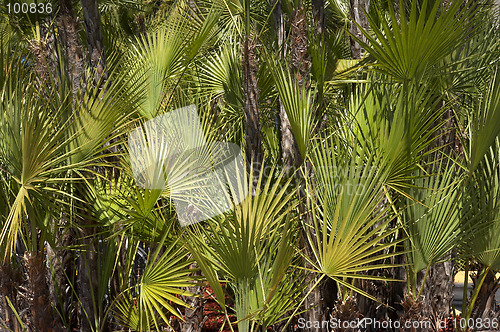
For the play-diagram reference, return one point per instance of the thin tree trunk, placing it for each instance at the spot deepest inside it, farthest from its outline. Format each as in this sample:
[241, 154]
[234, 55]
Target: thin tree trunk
[357, 15]
[438, 291]
[40, 288]
[316, 303]
[42, 50]
[73, 51]
[318, 11]
[251, 106]
[88, 262]
[486, 306]
[9, 281]
[321, 301]
[289, 149]
[62, 261]
[301, 63]
[279, 24]
[193, 316]
[92, 22]
[87, 277]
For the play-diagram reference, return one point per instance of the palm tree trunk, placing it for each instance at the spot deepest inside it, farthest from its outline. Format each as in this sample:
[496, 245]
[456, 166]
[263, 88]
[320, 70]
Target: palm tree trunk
[357, 15]
[92, 22]
[193, 316]
[87, 281]
[318, 11]
[73, 51]
[319, 301]
[486, 306]
[41, 289]
[88, 262]
[42, 50]
[301, 62]
[289, 149]
[9, 282]
[62, 262]
[42, 317]
[251, 106]
[438, 291]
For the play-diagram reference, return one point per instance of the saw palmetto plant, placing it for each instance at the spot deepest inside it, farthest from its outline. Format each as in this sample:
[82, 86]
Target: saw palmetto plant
[247, 165]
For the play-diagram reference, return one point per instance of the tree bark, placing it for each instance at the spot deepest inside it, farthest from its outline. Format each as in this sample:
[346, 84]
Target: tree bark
[42, 317]
[438, 291]
[321, 299]
[88, 261]
[9, 281]
[289, 149]
[92, 22]
[62, 261]
[193, 317]
[486, 306]
[301, 63]
[87, 273]
[318, 11]
[43, 51]
[357, 15]
[279, 24]
[72, 48]
[251, 106]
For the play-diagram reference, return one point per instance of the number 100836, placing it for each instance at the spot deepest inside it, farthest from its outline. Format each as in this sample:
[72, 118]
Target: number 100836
[29, 8]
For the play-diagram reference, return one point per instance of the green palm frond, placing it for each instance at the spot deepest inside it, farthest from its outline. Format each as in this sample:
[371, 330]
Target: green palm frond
[34, 151]
[349, 227]
[128, 314]
[468, 69]
[480, 219]
[159, 57]
[398, 125]
[297, 102]
[162, 283]
[339, 11]
[271, 142]
[219, 75]
[102, 116]
[165, 53]
[412, 48]
[46, 147]
[484, 128]
[252, 247]
[433, 222]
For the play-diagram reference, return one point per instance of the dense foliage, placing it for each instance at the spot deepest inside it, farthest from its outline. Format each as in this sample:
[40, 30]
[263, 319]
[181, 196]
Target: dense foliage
[370, 133]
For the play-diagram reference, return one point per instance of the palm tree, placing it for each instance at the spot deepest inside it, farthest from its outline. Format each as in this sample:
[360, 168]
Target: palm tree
[403, 62]
[366, 171]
